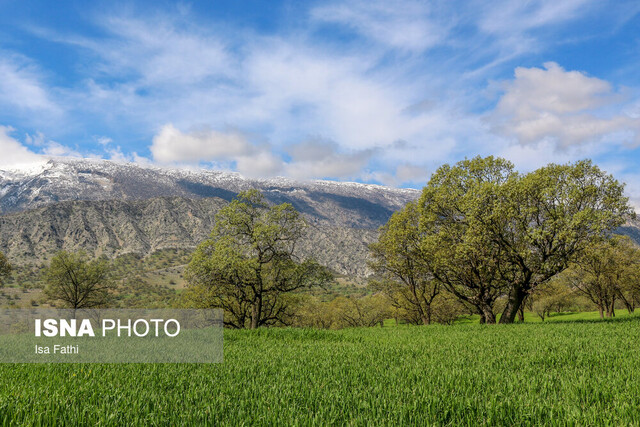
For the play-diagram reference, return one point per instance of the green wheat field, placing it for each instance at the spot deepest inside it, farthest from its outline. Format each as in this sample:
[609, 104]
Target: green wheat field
[570, 372]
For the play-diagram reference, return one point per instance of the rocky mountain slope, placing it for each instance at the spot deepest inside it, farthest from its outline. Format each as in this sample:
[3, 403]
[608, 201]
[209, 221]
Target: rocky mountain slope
[112, 208]
[115, 228]
[631, 229]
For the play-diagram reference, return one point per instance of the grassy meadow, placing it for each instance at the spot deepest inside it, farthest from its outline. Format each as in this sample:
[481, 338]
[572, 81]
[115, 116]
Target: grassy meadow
[570, 371]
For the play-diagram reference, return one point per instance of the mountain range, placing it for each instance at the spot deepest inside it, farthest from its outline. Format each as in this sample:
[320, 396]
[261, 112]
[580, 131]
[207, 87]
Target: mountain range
[110, 208]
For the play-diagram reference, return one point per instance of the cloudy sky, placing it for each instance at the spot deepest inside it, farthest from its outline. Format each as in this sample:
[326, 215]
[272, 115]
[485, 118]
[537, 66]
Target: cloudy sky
[367, 91]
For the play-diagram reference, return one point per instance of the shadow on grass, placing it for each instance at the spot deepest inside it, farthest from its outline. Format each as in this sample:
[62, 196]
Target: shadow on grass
[565, 317]
[631, 318]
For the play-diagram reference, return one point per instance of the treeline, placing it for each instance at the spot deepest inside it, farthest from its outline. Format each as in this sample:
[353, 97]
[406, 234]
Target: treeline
[482, 239]
[491, 237]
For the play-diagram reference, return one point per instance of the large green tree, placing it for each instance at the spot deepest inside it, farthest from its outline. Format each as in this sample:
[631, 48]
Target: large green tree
[248, 265]
[547, 218]
[405, 277]
[491, 232]
[73, 281]
[456, 246]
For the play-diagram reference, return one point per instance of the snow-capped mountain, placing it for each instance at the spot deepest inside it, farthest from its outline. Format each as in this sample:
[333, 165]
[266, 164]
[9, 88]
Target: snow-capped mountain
[59, 180]
[112, 208]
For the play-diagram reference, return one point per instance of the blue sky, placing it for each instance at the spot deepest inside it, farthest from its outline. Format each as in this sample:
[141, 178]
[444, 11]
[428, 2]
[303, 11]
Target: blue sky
[370, 91]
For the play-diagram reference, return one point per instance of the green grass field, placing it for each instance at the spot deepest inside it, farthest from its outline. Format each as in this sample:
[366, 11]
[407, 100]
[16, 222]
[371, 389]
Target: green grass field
[584, 373]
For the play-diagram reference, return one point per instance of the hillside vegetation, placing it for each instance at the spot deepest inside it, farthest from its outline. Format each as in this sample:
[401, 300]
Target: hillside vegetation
[142, 227]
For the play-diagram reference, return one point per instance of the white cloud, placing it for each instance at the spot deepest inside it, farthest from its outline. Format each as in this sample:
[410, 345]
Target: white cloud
[171, 145]
[153, 70]
[409, 25]
[508, 30]
[157, 50]
[38, 139]
[21, 86]
[411, 173]
[300, 90]
[632, 188]
[261, 164]
[309, 159]
[405, 174]
[56, 149]
[526, 158]
[104, 140]
[565, 108]
[322, 159]
[403, 70]
[117, 155]
[14, 154]
[49, 147]
[509, 17]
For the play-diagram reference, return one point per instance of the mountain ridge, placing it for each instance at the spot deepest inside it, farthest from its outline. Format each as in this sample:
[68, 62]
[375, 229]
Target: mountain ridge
[91, 179]
[115, 228]
[108, 208]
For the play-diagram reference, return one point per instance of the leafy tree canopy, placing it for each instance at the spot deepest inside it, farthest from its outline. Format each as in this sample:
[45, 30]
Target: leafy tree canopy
[74, 282]
[405, 277]
[248, 265]
[489, 231]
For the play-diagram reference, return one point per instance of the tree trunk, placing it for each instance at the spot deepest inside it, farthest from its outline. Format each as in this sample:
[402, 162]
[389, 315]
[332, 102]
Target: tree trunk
[489, 317]
[610, 309]
[426, 317]
[628, 305]
[254, 317]
[521, 313]
[516, 297]
[613, 308]
[256, 312]
[601, 310]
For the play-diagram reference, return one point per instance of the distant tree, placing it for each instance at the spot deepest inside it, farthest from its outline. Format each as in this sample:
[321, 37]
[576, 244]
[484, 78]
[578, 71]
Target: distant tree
[315, 313]
[606, 272]
[447, 308]
[552, 296]
[405, 276]
[490, 231]
[367, 311]
[247, 267]
[77, 283]
[629, 261]
[5, 268]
